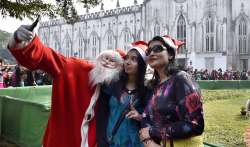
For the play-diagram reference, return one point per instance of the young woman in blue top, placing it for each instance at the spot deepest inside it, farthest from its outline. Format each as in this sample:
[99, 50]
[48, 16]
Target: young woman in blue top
[128, 92]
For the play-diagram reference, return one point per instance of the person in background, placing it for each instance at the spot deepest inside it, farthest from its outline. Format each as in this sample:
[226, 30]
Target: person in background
[1, 74]
[30, 79]
[7, 77]
[16, 77]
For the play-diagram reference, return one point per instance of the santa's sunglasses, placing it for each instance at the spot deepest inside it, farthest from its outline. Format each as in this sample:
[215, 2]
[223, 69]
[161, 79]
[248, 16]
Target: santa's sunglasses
[155, 49]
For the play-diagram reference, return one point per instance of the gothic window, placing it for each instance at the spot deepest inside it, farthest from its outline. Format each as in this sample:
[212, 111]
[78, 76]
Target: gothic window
[157, 29]
[69, 51]
[210, 34]
[57, 45]
[85, 50]
[140, 35]
[81, 46]
[94, 45]
[207, 43]
[110, 40]
[56, 42]
[181, 33]
[45, 39]
[127, 40]
[242, 33]
[244, 64]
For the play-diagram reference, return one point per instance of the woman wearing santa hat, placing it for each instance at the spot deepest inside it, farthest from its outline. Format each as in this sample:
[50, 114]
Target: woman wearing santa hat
[175, 109]
[127, 93]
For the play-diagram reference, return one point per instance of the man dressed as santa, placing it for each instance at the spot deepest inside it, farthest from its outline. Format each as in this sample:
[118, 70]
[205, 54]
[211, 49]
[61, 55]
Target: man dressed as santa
[75, 90]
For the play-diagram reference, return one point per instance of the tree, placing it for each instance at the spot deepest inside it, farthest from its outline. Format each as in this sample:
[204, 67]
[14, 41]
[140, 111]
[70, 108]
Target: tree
[30, 8]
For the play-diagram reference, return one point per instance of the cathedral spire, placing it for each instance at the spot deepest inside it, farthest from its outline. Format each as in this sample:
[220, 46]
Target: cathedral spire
[242, 7]
[102, 6]
[117, 4]
[87, 8]
[135, 2]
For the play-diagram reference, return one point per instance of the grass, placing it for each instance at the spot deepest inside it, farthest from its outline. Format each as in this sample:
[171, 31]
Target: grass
[223, 122]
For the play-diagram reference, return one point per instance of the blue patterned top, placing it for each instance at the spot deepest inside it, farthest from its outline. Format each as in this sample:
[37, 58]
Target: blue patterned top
[127, 133]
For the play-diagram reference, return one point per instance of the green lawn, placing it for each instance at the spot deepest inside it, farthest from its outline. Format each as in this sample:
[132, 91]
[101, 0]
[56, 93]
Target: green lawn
[223, 122]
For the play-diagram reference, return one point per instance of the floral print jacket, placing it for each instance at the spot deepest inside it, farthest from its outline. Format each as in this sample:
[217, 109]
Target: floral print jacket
[175, 109]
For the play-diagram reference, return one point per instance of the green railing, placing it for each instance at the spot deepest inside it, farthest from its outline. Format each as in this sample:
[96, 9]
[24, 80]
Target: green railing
[24, 113]
[227, 84]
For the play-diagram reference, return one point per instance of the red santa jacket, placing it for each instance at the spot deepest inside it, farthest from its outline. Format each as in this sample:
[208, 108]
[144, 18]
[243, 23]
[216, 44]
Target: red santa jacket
[71, 93]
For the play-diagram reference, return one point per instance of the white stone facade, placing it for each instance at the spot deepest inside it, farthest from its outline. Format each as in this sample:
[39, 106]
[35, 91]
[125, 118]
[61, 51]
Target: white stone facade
[216, 32]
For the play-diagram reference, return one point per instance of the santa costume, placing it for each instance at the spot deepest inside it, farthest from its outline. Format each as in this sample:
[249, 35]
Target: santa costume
[72, 122]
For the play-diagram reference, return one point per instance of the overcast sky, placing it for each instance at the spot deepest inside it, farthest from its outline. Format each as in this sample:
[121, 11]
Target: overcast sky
[10, 24]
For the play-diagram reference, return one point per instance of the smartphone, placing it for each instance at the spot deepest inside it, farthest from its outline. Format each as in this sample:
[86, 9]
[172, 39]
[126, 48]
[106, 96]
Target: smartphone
[34, 24]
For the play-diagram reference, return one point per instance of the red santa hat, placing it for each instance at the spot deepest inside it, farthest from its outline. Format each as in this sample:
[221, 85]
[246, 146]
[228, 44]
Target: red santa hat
[141, 47]
[121, 52]
[174, 43]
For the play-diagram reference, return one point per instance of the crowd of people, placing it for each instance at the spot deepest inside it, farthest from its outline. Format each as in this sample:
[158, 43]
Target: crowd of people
[204, 74]
[19, 76]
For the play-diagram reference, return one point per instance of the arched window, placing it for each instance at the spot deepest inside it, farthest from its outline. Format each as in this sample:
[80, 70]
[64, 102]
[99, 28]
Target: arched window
[157, 29]
[94, 45]
[81, 47]
[181, 33]
[56, 41]
[242, 33]
[57, 45]
[45, 39]
[210, 34]
[127, 40]
[85, 50]
[110, 40]
[69, 51]
[140, 35]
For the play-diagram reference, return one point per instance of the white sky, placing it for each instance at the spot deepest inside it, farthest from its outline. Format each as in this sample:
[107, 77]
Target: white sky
[11, 24]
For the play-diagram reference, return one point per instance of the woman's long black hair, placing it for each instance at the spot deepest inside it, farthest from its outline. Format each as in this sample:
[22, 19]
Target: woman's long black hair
[140, 77]
[170, 69]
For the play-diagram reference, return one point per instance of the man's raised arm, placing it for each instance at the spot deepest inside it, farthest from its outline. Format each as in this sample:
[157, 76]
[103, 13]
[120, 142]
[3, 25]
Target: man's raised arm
[27, 48]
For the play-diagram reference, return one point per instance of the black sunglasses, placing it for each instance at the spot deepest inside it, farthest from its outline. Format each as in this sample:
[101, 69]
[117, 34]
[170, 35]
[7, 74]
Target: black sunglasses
[156, 49]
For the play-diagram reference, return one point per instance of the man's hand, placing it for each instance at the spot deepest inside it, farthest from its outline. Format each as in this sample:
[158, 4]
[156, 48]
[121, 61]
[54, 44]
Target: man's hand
[21, 38]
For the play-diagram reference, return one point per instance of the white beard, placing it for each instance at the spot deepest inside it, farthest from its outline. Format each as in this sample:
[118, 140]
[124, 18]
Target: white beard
[100, 74]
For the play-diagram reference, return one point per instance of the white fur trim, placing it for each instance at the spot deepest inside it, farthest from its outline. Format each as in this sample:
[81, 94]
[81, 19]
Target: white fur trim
[141, 51]
[89, 111]
[170, 42]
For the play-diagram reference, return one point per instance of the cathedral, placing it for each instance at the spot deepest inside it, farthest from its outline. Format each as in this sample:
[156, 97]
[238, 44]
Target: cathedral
[216, 32]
